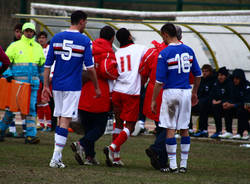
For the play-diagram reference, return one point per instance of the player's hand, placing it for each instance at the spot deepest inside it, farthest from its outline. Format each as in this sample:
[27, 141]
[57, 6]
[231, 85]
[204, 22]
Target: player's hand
[98, 93]
[153, 106]
[194, 99]
[46, 94]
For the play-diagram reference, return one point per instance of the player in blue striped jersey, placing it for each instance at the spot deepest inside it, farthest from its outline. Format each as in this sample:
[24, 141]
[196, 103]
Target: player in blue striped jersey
[69, 50]
[174, 65]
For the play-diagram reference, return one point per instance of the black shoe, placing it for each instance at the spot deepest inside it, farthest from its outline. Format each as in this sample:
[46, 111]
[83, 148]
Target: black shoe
[32, 140]
[182, 170]
[164, 169]
[173, 170]
[153, 158]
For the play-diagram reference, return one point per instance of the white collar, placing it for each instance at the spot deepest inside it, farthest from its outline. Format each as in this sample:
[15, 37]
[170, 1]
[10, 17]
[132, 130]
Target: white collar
[71, 30]
[174, 44]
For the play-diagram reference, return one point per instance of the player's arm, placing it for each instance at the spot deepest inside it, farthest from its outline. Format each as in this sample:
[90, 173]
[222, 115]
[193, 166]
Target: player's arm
[46, 93]
[161, 72]
[196, 71]
[157, 88]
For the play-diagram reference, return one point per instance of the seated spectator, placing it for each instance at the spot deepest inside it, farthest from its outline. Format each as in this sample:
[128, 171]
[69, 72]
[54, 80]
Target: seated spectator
[235, 105]
[204, 104]
[220, 93]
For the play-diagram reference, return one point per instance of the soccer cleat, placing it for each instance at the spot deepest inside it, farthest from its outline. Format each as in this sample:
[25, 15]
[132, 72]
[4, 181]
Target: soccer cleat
[91, 161]
[109, 156]
[153, 158]
[32, 140]
[164, 170]
[79, 152]
[56, 164]
[118, 163]
[182, 170]
[215, 135]
[173, 170]
[226, 135]
[237, 136]
[201, 134]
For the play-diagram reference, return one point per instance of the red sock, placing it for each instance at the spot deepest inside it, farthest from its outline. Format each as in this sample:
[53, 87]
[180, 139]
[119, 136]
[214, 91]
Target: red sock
[116, 133]
[122, 137]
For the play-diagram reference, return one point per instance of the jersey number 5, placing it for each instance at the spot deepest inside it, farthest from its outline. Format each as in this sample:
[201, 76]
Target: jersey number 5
[183, 62]
[128, 60]
[66, 47]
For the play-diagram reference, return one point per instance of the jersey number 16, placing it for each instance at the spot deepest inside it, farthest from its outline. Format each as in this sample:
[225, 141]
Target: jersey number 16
[183, 62]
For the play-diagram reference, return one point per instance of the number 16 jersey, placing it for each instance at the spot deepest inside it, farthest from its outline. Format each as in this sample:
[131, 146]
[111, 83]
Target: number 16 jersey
[128, 59]
[69, 50]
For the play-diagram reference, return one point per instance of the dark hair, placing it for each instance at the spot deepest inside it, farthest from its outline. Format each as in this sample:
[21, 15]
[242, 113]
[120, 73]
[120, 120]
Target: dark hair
[170, 29]
[107, 33]
[178, 32]
[78, 15]
[207, 67]
[223, 70]
[122, 36]
[42, 33]
[18, 26]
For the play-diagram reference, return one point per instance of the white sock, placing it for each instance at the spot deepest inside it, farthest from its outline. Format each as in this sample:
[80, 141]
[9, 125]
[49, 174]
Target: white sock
[171, 148]
[185, 147]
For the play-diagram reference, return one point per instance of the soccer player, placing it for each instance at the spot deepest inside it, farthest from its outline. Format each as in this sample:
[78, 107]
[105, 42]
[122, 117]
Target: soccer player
[69, 49]
[173, 68]
[93, 112]
[126, 93]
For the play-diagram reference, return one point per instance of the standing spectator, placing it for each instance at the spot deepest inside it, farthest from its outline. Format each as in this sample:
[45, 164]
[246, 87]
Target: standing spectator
[173, 69]
[69, 49]
[220, 93]
[93, 111]
[43, 108]
[126, 93]
[17, 32]
[26, 55]
[235, 105]
[204, 105]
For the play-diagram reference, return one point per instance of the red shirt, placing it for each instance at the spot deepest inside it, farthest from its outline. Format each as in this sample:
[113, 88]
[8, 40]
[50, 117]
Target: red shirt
[106, 69]
[148, 70]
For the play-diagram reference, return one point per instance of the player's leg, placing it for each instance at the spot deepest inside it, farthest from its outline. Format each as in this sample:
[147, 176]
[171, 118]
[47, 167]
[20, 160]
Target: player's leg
[183, 121]
[66, 104]
[168, 119]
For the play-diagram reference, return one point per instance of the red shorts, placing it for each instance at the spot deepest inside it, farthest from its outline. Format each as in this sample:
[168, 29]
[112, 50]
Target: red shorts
[127, 105]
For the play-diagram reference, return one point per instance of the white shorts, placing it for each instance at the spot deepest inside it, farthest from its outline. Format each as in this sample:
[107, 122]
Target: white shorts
[175, 109]
[66, 103]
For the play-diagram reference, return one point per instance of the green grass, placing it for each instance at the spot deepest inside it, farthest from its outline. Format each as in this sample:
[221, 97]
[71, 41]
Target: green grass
[211, 162]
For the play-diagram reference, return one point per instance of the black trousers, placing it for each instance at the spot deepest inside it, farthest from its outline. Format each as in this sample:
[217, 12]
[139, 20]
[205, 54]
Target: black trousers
[218, 113]
[242, 116]
[94, 125]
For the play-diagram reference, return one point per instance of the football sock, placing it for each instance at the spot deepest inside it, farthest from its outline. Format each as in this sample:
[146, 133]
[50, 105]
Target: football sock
[141, 123]
[41, 122]
[171, 147]
[48, 123]
[185, 146]
[61, 135]
[115, 134]
[122, 137]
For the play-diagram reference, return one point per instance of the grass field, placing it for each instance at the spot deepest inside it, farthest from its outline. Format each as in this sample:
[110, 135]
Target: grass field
[211, 162]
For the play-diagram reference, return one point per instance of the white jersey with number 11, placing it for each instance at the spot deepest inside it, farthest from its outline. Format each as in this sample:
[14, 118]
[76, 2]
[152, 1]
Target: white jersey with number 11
[128, 60]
